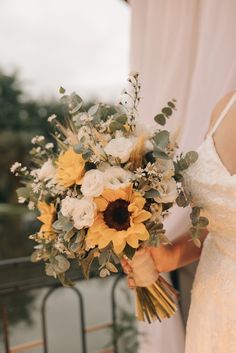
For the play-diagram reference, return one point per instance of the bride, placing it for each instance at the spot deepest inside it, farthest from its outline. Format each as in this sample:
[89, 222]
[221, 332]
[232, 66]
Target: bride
[211, 326]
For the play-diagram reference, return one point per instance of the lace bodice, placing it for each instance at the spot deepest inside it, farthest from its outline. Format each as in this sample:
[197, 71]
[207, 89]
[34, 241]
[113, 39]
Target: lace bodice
[211, 324]
[214, 189]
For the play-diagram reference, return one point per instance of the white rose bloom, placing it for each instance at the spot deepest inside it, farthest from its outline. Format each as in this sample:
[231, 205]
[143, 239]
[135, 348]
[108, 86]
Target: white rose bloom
[47, 171]
[67, 206]
[170, 194]
[116, 177]
[120, 147]
[92, 183]
[84, 213]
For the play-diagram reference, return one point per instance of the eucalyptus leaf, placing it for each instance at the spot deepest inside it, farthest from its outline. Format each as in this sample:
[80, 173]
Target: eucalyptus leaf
[160, 119]
[162, 139]
[171, 104]
[203, 222]
[111, 267]
[160, 154]
[115, 125]
[122, 119]
[78, 148]
[104, 273]
[182, 200]
[87, 154]
[23, 192]
[191, 157]
[150, 194]
[167, 111]
[87, 262]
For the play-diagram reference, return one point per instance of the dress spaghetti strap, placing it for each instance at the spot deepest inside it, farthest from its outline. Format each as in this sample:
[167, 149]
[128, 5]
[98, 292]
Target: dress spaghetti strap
[223, 114]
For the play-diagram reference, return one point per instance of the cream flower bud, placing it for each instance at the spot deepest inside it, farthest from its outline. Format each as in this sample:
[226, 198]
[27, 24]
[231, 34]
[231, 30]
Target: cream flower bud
[93, 183]
[83, 213]
[47, 171]
[120, 147]
[116, 177]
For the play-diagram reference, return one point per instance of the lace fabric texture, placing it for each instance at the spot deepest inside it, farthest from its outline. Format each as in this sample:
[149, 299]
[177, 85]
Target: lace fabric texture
[211, 326]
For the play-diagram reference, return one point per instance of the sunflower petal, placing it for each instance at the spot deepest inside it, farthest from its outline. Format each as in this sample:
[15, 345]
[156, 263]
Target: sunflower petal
[113, 195]
[142, 216]
[132, 240]
[106, 238]
[141, 231]
[119, 246]
[101, 203]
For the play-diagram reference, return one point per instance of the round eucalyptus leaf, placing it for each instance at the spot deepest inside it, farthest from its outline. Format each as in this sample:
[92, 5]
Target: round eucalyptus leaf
[160, 119]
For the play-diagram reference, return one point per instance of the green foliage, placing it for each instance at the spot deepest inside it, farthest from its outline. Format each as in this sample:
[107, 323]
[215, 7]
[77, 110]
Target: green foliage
[184, 162]
[165, 113]
[160, 141]
[199, 225]
[21, 118]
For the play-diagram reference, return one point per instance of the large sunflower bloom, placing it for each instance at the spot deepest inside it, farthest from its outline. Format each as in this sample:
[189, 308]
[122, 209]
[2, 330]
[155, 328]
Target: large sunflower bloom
[70, 168]
[120, 220]
[47, 217]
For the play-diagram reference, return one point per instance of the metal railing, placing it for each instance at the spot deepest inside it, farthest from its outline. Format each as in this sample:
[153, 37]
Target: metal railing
[18, 287]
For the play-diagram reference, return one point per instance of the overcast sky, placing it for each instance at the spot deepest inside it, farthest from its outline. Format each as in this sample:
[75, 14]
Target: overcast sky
[82, 45]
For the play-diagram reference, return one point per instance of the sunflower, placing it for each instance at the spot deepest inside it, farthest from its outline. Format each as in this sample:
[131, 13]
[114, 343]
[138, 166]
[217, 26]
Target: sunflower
[47, 217]
[70, 168]
[119, 220]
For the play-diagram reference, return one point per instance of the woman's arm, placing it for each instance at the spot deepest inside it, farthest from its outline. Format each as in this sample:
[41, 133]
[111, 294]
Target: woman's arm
[168, 257]
[181, 253]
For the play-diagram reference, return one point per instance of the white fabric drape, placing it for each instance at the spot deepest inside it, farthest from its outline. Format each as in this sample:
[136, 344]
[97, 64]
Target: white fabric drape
[185, 50]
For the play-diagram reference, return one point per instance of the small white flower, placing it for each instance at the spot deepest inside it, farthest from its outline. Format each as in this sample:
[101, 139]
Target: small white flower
[31, 205]
[116, 177]
[93, 183]
[38, 149]
[36, 187]
[120, 147]
[49, 145]
[21, 199]
[51, 118]
[67, 206]
[84, 213]
[47, 171]
[15, 167]
[37, 139]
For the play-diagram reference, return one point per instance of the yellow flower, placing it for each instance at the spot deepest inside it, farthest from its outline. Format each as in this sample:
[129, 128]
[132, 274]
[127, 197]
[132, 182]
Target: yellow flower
[70, 168]
[120, 220]
[47, 217]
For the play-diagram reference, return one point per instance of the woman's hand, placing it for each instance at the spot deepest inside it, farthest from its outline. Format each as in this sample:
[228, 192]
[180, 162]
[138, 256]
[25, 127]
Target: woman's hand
[165, 257]
[144, 268]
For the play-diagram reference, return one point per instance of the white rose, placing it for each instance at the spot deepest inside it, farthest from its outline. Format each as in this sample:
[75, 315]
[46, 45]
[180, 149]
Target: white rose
[169, 194]
[67, 206]
[47, 171]
[116, 177]
[83, 213]
[119, 147]
[93, 183]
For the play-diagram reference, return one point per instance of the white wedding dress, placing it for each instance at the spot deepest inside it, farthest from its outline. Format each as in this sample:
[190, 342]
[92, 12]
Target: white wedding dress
[211, 326]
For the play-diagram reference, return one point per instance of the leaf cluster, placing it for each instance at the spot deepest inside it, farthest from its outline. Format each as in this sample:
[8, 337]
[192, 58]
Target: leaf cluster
[166, 112]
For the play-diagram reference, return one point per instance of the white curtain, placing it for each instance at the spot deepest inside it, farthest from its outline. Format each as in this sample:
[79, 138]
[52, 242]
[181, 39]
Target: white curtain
[183, 49]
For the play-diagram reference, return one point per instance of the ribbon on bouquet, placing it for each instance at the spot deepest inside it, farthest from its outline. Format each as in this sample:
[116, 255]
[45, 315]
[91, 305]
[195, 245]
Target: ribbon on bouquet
[155, 297]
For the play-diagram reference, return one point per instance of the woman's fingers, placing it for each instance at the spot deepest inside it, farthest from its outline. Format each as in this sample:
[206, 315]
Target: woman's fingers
[126, 266]
[131, 282]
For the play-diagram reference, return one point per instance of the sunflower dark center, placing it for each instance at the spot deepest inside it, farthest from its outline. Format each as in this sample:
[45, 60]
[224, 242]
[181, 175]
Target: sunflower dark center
[117, 215]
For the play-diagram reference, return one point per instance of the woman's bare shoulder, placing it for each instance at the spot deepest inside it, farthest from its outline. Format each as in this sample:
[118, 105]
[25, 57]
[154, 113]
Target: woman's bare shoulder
[219, 107]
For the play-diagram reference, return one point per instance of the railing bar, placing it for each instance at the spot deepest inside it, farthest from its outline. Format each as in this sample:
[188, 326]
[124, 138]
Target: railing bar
[25, 346]
[98, 327]
[5, 328]
[16, 261]
[108, 350]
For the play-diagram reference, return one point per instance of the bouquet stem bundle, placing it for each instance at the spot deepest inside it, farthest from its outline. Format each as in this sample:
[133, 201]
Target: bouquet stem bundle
[156, 301]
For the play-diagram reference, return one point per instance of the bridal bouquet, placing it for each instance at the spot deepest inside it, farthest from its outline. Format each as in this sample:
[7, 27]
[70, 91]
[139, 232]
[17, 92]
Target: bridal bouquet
[102, 191]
